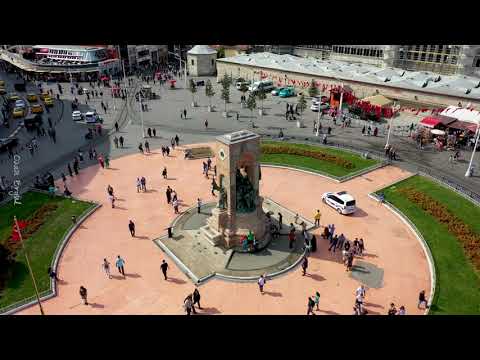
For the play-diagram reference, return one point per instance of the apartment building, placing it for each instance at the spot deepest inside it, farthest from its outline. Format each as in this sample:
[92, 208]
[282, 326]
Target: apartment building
[141, 55]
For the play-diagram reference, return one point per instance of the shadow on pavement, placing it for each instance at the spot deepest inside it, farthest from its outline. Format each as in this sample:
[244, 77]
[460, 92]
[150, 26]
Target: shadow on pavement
[176, 281]
[273, 293]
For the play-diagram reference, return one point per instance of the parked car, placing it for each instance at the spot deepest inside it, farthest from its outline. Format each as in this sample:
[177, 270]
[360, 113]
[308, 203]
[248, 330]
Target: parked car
[91, 117]
[287, 92]
[13, 97]
[276, 91]
[7, 143]
[340, 201]
[77, 115]
[265, 85]
[44, 95]
[48, 101]
[32, 97]
[37, 109]
[2, 83]
[32, 121]
[322, 107]
[18, 112]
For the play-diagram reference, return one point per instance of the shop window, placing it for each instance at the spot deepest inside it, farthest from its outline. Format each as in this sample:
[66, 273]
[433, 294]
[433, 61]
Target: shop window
[193, 62]
[213, 62]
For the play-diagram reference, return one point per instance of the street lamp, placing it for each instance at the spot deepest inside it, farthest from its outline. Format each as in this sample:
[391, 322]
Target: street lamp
[390, 128]
[141, 112]
[469, 169]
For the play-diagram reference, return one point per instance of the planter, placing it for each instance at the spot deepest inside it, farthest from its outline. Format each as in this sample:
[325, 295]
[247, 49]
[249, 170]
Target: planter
[261, 112]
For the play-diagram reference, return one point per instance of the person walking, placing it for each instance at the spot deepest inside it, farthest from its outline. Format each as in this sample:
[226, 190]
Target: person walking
[185, 113]
[154, 132]
[107, 161]
[392, 310]
[143, 183]
[175, 205]
[164, 268]
[111, 199]
[341, 241]
[361, 247]
[106, 268]
[304, 265]
[168, 192]
[83, 295]
[139, 185]
[280, 221]
[115, 141]
[188, 304]
[140, 148]
[149, 132]
[310, 305]
[291, 239]
[206, 124]
[261, 283]
[69, 168]
[349, 261]
[177, 140]
[131, 227]
[119, 264]
[317, 217]
[402, 311]
[116, 126]
[422, 299]
[196, 298]
[147, 146]
[120, 139]
[199, 206]
[317, 300]
[164, 172]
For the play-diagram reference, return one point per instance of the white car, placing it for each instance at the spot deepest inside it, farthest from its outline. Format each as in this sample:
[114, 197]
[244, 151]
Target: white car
[91, 117]
[340, 201]
[20, 104]
[317, 106]
[77, 115]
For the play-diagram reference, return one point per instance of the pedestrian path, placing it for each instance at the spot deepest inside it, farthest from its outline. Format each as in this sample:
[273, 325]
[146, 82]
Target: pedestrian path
[390, 245]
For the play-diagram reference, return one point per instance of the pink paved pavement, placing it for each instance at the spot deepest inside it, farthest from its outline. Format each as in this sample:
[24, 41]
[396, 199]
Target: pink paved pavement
[389, 245]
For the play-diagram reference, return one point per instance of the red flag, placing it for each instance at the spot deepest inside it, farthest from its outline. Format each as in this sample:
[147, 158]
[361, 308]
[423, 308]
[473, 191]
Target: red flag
[15, 234]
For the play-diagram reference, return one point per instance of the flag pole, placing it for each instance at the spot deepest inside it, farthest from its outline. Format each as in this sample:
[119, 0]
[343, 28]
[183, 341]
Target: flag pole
[28, 265]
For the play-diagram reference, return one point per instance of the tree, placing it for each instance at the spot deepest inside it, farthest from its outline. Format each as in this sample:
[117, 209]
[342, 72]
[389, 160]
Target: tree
[225, 95]
[261, 95]
[313, 90]
[193, 89]
[302, 104]
[251, 103]
[209, 92]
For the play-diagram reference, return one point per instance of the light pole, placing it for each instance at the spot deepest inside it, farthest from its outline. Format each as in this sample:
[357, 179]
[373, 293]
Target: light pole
[141, 111]
[469, 169]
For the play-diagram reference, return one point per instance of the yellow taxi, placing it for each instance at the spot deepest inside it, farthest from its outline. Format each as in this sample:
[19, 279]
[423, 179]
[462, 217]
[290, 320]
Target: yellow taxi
[32, 97]
[48, 101]
[2, 91]
[44, 95]
[2, 83]
[18, 112]
[13, 97]
[37, 109]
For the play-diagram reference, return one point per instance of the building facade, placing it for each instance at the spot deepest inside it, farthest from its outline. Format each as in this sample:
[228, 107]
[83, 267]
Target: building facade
[442, 59]
[201, 60]
[142, 55]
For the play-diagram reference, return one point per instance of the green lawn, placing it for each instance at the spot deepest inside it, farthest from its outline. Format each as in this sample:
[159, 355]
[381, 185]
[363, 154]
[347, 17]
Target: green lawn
[458, 283]
[41, 246]
[321, 166]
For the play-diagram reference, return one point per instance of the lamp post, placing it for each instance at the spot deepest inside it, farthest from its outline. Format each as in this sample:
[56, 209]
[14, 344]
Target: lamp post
[469, 169]
[390, 128]
[141, 112]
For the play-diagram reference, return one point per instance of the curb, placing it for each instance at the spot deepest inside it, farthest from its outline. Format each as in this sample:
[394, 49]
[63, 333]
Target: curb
[58, 254]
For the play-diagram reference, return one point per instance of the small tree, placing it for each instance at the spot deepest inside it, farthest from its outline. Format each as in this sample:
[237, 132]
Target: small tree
[209, 91]
[251, 103]
[225, 95]
[193, 89]
[313, 90]
[261, 95]
[302, 104]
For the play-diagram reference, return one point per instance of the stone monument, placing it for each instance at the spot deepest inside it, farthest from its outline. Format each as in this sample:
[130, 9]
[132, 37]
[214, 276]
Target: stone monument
[239, 207]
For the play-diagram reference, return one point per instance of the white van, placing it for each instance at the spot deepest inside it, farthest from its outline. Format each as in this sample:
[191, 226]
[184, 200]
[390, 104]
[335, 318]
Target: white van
[90, 117]
[265, 85]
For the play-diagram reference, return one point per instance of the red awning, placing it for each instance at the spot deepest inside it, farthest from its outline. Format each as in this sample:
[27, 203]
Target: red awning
[430, 122]
[463, 125]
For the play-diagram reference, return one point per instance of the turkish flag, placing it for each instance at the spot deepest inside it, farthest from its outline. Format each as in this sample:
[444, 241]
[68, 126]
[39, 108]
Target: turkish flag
[21, 225]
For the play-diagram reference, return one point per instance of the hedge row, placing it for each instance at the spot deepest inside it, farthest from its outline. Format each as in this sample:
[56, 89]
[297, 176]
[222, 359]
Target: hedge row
[317, 154]
[468, 238]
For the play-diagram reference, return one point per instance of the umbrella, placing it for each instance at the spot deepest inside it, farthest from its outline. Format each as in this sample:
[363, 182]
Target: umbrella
[437, 132]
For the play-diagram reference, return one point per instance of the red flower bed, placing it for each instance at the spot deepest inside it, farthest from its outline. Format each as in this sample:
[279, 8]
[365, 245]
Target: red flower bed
[467, 237]
[317, 154]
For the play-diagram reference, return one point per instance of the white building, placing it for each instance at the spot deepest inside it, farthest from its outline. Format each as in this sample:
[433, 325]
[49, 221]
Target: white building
[201, 60]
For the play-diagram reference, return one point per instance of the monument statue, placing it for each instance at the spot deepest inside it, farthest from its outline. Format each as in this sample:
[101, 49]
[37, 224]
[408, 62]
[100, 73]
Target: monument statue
[245, 194]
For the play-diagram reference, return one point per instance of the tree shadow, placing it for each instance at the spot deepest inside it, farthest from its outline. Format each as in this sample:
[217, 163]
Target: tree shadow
[176, 281]
[142, 237]
[170, 178]
[273, 293]
[209, 311]
[118, 277]
[373, 305]
[328, 312]
[135, 276]
[151, 191]
[315, 277]
[97, 306]
[120, 208]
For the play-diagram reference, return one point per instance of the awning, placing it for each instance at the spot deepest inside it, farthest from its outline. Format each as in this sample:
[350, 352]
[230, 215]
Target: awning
[463, 125]
[430, 122]
[445, 120]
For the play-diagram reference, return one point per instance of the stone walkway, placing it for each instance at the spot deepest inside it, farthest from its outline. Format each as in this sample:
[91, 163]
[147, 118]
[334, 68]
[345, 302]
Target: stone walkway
[390, 246]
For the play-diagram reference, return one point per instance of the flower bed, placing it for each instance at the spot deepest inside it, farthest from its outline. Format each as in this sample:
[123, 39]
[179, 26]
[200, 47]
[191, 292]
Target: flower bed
[315, 154]
[468, 238]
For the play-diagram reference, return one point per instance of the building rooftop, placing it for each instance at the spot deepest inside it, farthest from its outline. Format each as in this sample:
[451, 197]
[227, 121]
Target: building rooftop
[70, 47]
[202, 50]
[423, 81]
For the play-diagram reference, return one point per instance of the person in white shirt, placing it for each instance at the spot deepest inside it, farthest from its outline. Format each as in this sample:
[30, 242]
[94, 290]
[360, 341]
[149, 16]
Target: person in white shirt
[106, 268]
[360, 291]
[402, 311]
